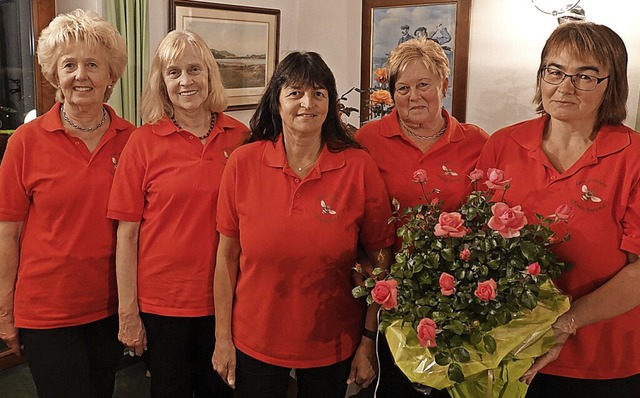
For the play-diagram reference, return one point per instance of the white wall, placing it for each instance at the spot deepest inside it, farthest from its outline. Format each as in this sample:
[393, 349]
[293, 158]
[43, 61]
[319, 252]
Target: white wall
[506, 39]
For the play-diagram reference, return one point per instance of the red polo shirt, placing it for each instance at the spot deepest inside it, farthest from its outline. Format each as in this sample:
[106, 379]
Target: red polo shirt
[293, 305]
[168, 181]
[50, 180]
[447, 162]
[602, 189]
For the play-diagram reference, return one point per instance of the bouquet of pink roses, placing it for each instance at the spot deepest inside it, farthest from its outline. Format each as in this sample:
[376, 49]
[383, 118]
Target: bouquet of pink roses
[469, 302]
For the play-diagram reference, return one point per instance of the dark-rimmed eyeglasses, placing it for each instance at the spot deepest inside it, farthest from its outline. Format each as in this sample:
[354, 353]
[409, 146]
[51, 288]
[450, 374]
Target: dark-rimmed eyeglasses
[580, 81]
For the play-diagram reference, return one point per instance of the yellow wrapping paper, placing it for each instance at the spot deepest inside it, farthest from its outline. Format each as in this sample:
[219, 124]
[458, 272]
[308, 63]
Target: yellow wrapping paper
[518, 343]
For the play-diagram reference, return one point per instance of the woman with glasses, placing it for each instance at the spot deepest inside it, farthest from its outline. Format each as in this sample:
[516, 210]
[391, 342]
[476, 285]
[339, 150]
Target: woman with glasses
[578, 152]
[419, 134]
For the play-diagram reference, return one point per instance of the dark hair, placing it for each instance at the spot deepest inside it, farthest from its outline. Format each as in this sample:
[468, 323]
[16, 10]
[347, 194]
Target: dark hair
[305, 69]
[587, 39]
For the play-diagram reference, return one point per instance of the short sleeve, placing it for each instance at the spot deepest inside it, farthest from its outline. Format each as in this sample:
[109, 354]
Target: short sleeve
[631, 223]
[16, 196]
[126, 201]
[376, 232]
[227, 220]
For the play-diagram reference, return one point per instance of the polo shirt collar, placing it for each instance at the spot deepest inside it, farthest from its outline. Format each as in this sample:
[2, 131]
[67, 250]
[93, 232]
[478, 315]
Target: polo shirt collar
[51, 120]
[390, 127]
[609, 139]
[274, 156]
[165, 126]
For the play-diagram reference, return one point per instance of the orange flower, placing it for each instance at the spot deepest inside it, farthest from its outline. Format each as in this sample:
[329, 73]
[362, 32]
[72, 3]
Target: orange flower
[380, 97]
[381, 75]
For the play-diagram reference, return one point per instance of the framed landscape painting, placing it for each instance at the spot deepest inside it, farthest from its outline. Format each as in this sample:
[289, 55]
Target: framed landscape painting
[243, 40]
[387, 23]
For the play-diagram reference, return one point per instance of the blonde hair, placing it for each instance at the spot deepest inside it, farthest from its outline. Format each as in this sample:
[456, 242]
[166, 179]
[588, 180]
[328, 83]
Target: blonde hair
[85, 27]
[427, 51]
[155, 99]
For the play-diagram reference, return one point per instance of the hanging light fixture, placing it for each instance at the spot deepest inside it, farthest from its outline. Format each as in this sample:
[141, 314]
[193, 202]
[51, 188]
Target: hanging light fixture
[554, 7]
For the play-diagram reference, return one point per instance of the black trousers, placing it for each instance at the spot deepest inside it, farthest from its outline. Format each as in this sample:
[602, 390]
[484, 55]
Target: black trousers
[393, 383]
[179, 357]
[74, 362]
[547, 386]
[257, 379]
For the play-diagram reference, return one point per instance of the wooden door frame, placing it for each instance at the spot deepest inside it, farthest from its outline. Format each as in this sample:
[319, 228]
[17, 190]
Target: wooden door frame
[42, 12]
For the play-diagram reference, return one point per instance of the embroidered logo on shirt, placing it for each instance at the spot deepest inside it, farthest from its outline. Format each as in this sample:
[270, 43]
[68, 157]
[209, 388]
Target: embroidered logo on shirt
[326, 209]
[115, 157]
[589, 194]
[448, 171]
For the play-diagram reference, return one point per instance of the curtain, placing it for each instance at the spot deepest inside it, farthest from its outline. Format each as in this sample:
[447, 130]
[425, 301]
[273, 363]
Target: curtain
[131, 17]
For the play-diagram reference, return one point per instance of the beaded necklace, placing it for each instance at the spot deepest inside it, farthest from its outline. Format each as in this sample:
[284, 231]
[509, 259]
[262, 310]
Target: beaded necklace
[213, 122]
[428, 137]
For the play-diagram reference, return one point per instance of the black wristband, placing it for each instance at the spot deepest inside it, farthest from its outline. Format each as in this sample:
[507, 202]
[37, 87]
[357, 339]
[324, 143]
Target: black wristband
[369, 334]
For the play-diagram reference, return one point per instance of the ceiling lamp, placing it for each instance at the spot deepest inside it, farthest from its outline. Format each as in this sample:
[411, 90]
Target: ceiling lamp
[554, 7]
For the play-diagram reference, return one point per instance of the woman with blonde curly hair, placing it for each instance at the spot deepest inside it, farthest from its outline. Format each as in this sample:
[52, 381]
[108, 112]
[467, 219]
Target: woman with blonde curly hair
[419, 134]
[57, 247]
[164, 197]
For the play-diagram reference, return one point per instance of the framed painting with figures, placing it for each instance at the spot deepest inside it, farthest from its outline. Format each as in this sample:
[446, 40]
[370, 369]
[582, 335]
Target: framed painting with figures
[387, 23]
[243, 40]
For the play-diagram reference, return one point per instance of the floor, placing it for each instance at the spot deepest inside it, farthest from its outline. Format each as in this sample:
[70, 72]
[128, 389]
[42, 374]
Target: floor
[131, 382]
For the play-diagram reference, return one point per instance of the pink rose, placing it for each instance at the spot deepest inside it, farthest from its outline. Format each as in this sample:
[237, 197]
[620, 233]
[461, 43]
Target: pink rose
[465, 255]
[447, 284]
[534, 269]
[563, 212]
[553, 239]
[495, 179]
[486, 290]
[420, 176]
[508, 221]
[427, 332]
[450, 224]
[476, 175]
[385, 293]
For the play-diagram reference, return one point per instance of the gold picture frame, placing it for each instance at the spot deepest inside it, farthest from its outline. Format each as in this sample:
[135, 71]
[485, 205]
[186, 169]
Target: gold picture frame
[244, 41]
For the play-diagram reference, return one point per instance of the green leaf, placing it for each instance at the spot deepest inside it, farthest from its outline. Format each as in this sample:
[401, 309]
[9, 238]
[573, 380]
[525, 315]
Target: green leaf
[489, 344]
[455, 326]
[377, 271]
[460, 354]
[369, 282]
[442, 359]
[448, 254]
[455, 373]
[475, 338]
[359, 291]
[529, 300]
[528, 250]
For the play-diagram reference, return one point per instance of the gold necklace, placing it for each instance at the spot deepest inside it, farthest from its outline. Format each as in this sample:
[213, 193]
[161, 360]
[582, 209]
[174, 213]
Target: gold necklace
[427, 137]
[310, 163]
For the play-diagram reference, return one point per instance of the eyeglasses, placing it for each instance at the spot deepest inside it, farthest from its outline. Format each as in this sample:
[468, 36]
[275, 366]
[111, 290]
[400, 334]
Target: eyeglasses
[580, 81]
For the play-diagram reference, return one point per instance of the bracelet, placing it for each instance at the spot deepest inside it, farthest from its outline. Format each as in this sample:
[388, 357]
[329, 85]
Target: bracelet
[369, 334]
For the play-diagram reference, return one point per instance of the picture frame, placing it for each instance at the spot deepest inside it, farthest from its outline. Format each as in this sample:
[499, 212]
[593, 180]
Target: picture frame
[446, 21]
[244, 41]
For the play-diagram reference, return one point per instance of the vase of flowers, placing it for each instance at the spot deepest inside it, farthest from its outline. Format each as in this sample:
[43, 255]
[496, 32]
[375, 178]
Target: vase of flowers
[469, 302]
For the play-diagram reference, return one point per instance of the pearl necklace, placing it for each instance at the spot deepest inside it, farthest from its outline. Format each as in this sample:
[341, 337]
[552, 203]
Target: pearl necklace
[214, 117]
[428, 137]
[85, 129]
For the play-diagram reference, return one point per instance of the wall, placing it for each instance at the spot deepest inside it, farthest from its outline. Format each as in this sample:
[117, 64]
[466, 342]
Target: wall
[506, 39]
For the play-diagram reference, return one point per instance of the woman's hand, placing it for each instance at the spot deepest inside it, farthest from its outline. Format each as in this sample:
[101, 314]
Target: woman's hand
[132, 333]
[364, 365]
[9, 334]
[563, 328]
[224, 361]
